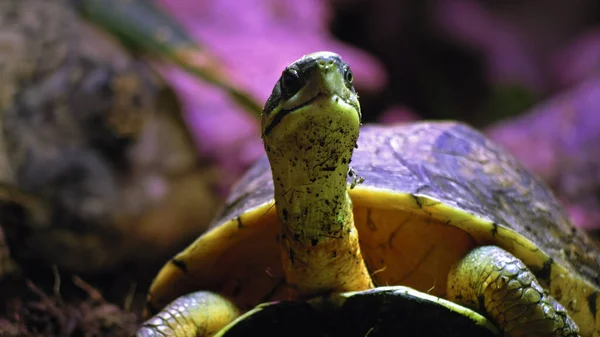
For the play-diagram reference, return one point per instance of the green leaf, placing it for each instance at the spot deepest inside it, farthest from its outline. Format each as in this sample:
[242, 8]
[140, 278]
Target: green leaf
[145, 28]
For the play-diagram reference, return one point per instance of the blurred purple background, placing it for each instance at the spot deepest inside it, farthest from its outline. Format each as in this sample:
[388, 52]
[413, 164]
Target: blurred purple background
[527, 72]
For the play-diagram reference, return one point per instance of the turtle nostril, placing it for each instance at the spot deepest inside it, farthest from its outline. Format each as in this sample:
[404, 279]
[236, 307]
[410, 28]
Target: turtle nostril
[326, 63]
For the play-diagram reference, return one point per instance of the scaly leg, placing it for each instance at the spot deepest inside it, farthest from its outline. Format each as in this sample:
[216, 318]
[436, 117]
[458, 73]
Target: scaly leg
[492, 280]
[199, 314]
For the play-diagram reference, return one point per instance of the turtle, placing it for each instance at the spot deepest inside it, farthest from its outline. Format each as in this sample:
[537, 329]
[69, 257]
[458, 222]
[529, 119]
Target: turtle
[95, 156]
[434, 206]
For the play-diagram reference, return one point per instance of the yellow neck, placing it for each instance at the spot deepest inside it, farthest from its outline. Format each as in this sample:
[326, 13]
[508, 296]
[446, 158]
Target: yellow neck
[319, 242]
[313, 208]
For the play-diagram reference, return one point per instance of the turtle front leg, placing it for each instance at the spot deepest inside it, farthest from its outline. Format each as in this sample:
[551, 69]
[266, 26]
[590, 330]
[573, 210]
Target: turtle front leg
[491, 280]
[199, 314]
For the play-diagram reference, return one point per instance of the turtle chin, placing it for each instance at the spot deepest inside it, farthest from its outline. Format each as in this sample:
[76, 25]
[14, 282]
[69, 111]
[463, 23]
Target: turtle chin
[328, 123]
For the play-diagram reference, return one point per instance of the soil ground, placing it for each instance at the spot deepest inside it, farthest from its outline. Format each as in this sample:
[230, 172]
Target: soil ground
[45, 302]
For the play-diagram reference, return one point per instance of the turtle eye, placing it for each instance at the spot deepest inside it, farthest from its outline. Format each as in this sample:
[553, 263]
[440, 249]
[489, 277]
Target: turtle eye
[348, 75]
[290, 82]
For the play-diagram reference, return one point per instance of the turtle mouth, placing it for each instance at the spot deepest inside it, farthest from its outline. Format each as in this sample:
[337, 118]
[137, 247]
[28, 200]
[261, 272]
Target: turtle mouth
[282, 113]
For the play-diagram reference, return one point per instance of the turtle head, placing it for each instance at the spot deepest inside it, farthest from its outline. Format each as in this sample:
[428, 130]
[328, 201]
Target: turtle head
[313, 102]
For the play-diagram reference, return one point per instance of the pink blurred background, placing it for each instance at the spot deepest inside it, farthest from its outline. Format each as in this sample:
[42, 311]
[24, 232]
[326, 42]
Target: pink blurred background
[527, 72]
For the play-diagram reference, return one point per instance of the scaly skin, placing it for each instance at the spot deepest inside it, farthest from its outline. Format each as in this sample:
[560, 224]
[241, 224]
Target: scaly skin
[197, 314]
[492, 280]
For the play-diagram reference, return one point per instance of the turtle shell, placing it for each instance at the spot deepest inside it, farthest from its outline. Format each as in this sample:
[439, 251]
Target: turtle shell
[380, 312]
[431, 192]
